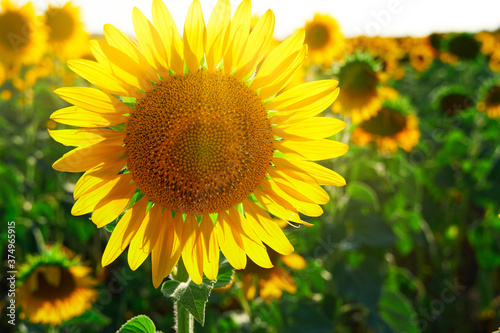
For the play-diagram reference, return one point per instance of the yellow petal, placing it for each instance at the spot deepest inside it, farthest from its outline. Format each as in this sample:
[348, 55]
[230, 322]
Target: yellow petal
[150, 42]
[294, 261]
[135, 255]
[257, 45]
[99, 75]
[238, 35]
[266, 228]
[86, 136]
[122, 42]
[147, 235]
[194, 37]
[76, 116]
[87, 202]
[210, 246]
[110, 207]
[167, 29]
[157, 264]
[124, 231]
[85, 158]
[192, 254]
[277, 206]
[254, 248]
[124, 67]
[298, 168]
[230, 241]
[217, 33]
[311, 128]
[267, 72]
[310, 189]
[286, 70]
[312, 150]
[93, 100]
[96, 176]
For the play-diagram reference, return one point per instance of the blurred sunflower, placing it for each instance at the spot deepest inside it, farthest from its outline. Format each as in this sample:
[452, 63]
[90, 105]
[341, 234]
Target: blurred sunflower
[326, 42]
[494, 62]
[490, 100]
[203, 138]
[463, 46]
[22, 36]
[421, 55]
[489, 42]
[54, 287]
[393, 126]
[67, 37]
[451, 100]
[271, 282]
[360, 96]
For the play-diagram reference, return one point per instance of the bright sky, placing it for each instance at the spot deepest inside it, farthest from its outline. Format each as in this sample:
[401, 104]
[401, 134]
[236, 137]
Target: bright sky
[369, 17]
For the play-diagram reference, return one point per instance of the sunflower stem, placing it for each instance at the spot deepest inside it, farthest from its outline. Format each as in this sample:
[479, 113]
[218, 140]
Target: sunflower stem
[183, 319]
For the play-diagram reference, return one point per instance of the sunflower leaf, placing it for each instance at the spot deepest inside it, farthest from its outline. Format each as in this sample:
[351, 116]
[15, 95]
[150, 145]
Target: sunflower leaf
[225, 276]
[139, 324]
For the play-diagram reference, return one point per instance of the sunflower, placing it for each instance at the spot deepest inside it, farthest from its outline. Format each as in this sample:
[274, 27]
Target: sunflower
[22, 37]
[452, 100]
[464, 46]
[325, 40]
[271, 282]
[360, 97]
[421, 55]
[490, 100]
[494, 62]
[67, 37]
[203, 151]
[54, 287]
[391, 127]
[489, 42]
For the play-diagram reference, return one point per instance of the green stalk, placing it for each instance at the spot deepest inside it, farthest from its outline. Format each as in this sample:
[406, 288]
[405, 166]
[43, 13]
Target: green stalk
[183, 319]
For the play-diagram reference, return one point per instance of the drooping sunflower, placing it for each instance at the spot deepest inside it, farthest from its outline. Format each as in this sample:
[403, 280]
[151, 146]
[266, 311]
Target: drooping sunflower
[54, 287]
[325, 40]
[22, 36]
[393, 126]
[271, 282]
[489, 99]
[360, 84]
[203, 152]
[66, 34]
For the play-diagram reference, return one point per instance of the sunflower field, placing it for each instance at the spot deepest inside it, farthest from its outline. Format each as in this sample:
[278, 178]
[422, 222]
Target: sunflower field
[211, 178]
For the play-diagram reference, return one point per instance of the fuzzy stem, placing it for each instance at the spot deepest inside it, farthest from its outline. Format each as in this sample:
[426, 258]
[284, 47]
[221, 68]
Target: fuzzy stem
[183, 319]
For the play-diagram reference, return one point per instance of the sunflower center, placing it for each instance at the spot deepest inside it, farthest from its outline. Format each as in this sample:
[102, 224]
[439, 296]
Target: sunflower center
[387, 122]
[464, 47]
[47, 290]
[61, 24]
[493, 96]
[199, 143]
[454, 103]
[14, 31]
[358, 78]
[317, 36]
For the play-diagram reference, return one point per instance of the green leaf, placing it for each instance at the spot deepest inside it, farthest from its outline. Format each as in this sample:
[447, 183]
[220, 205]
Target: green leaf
[139, 324]
[362, 192]
[193, 297]
[397, 311]
[92, 317]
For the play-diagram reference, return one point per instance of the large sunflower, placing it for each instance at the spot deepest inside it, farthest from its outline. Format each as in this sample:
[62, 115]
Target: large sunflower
[490, 100]
[392, 127]
[203, 152]
[54, 287]
[325, 40]
[22, 37]
[361, 90]
[67, 37]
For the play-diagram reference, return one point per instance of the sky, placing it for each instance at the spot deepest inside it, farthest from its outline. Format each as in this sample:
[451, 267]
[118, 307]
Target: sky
[356, 17]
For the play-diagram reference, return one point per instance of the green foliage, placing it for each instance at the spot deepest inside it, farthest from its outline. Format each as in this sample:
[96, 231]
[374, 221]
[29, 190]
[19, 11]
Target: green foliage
[139, 324]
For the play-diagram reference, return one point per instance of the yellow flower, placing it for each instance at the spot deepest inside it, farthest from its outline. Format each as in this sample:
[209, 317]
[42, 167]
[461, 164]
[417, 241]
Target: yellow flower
[421, 55]
[489, 42]
[389, 128]
[22, 37]
[55, 287]
[360, 90]
[67, 37]
[326, 42]
[490, 102]
[205, 146]
[271, 282]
